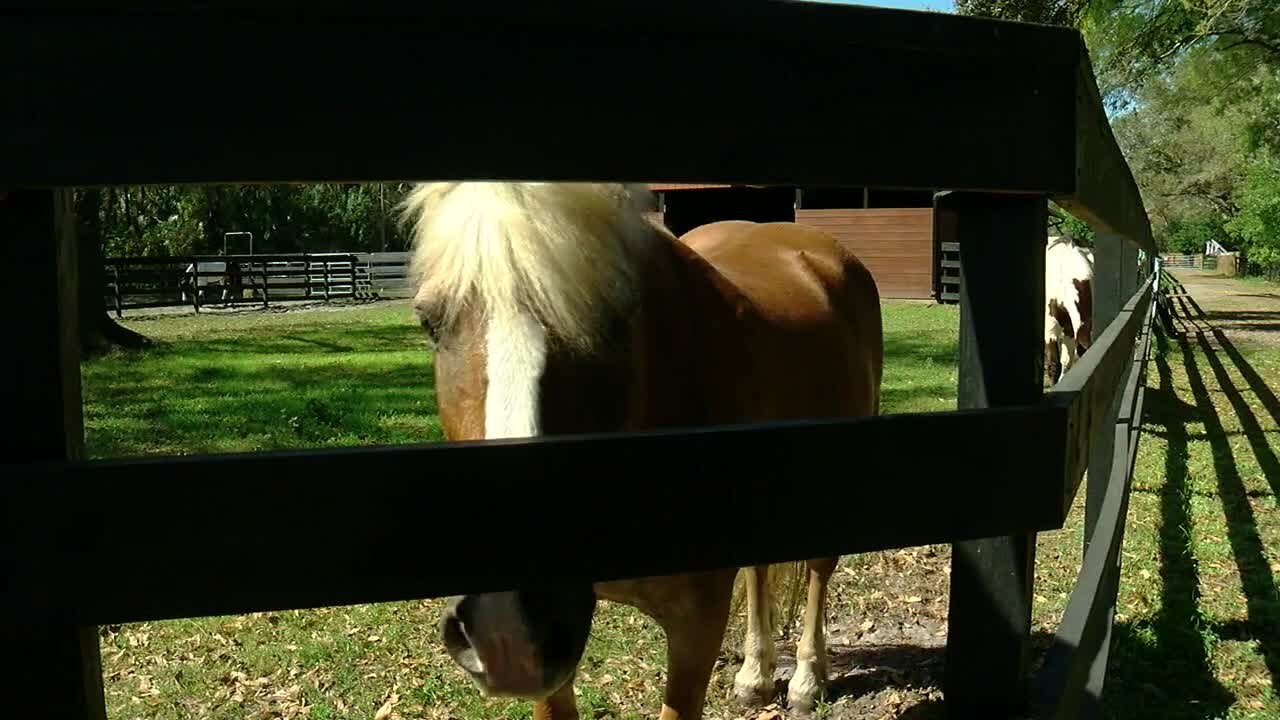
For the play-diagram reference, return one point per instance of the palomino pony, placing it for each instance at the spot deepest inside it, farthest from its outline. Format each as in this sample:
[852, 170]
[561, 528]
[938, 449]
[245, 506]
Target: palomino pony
[561, 307]
[1068, 322]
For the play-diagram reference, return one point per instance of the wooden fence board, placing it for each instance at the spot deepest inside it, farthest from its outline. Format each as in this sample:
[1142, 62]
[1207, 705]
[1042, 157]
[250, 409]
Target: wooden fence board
[1087, 391]
[1069, 682]
[898, 63]
[367, 542]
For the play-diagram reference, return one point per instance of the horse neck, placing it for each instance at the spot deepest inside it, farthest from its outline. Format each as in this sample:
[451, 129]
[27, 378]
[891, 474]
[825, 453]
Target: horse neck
[684, 341]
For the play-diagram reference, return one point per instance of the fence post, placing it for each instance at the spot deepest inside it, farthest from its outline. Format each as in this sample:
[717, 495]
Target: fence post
[115, 276]
[195, 289]
[60, 672]
[326, 281]
[1002, 306]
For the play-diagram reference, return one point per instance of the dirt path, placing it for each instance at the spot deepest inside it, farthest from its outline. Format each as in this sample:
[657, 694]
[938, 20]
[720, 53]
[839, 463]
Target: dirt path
[1247, 312]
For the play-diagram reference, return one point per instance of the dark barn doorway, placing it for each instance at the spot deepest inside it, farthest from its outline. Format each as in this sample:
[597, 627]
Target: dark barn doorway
[685, 210]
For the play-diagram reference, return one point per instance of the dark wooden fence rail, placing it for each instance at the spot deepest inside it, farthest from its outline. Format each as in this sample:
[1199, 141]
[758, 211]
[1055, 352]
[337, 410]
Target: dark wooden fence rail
[866, 90]
[152, 282]
[1071, 679]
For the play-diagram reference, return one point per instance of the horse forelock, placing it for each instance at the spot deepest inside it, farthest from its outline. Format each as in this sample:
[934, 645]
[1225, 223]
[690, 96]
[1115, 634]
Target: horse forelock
[565, 253]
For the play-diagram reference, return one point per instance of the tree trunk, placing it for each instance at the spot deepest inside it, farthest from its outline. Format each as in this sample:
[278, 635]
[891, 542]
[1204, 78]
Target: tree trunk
[98, 331]
[213, 220]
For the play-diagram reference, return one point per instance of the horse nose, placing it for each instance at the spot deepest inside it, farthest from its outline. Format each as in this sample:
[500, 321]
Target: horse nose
[453, 632]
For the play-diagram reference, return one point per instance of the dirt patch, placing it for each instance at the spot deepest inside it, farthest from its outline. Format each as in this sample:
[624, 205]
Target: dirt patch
[1246, 311]
[886, 639]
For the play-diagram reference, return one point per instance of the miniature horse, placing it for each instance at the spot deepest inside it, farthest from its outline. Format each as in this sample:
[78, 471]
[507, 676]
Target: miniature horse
[1068, 322]
[562, 307]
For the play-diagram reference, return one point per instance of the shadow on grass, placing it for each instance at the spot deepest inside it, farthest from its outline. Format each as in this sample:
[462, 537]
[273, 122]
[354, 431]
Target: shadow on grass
[1259, 584]
[896, 400]
[266, 390]
[297, 386]
[1161, 665]
[916, 349]
[862, 674]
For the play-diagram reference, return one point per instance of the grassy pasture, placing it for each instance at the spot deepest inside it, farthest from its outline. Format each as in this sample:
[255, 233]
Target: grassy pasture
[1192, 638]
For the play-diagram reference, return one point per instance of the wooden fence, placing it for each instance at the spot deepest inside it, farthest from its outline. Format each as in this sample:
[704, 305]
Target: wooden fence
[1184, 261]
[151, 282]
[94, 542]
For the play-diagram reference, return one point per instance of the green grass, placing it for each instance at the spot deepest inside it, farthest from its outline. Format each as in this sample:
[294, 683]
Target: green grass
[359, 376]
[1258, 282]
[247, 382]
[1198, 616]
[1198, 631]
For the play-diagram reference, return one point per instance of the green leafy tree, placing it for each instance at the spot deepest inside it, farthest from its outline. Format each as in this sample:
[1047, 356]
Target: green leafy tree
[1257, 226]
[1047, 12]
[1190, 234]
[1187, 143]
[99, 333]
[169, 221]
[1135, 40]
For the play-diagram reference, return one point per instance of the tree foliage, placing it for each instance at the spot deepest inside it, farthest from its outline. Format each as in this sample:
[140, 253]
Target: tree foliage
[166, 221]
[1047, 12]
[1256, 227]
[1135, 40]
[1193, 90]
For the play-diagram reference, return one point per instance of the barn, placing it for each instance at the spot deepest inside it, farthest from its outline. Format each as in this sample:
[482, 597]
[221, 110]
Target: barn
[892, 232]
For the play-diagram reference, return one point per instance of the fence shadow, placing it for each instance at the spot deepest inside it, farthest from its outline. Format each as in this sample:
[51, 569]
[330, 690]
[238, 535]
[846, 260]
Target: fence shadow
[1208, 356]
[1198, 329]
[1161, 664]
[297, 386]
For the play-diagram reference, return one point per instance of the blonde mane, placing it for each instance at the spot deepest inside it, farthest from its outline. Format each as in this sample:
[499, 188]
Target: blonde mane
[568, 253]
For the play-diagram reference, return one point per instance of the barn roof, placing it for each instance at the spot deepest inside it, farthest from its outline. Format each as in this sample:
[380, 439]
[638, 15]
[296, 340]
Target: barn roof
[662, 187]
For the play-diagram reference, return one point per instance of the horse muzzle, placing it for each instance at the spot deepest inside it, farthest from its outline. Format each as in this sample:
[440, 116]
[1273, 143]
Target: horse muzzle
[518, 644]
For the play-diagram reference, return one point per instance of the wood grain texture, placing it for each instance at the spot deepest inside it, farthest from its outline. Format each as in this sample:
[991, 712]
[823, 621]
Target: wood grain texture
[1106, 195]
[1001, 365]
[54, 668]
[591, 62]
[896, 245]
[1087, 393]
[367, 542]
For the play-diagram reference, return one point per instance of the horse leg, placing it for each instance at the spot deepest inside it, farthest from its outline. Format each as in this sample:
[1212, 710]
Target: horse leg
[694, 637]
[1068, 350]
[753, 685]
[1052, 361]
[560, 705]
[811, 652]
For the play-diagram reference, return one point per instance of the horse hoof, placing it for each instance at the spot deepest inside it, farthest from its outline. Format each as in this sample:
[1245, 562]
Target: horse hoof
[801, 705]
[752, 696]
[803, 692]
[753, 687]
[752, 690]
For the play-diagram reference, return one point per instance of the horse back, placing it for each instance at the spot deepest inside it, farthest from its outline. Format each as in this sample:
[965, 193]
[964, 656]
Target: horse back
[808, 316]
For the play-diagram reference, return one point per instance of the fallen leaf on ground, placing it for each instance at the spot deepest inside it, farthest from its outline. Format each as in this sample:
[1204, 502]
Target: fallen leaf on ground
[384, 712]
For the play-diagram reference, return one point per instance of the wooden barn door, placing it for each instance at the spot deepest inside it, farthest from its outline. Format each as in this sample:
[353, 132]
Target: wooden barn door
[896, 245]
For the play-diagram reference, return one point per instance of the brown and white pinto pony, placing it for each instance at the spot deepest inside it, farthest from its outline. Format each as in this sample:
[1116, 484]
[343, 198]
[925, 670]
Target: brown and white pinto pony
[560, 308]
[1068, 322]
